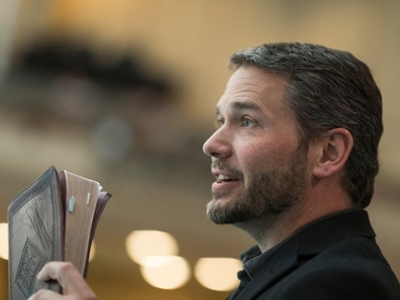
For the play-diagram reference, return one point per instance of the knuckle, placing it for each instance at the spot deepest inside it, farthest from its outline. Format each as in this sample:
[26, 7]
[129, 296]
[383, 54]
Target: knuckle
[90, 296]
[66, 266]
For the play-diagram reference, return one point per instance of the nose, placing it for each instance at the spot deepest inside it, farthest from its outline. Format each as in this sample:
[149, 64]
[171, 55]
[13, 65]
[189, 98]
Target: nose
[218, 145]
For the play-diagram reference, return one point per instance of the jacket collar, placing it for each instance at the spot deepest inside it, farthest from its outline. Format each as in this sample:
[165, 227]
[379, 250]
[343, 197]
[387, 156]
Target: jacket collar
[305, 242]
[329, 230]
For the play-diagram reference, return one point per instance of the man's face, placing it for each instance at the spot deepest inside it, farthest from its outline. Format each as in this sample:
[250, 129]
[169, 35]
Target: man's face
[256, 158]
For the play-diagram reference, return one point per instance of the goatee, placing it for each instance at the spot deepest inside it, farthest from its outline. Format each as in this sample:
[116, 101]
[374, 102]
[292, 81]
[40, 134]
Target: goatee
[268, 192]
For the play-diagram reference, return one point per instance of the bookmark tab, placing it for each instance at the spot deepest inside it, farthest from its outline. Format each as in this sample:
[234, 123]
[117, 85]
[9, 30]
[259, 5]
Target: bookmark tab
[71, 204]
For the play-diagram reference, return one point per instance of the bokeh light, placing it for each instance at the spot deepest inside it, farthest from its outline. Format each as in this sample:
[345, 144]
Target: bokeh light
[4, 240]
[144, 243]
[92, 252]
[218, 274]
[166, 272]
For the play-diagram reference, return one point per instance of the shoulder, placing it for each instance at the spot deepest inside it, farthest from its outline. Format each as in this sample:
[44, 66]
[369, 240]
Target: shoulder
[340, 277]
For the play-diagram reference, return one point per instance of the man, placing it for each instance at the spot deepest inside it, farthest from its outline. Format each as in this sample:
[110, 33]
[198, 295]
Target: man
[295, 158]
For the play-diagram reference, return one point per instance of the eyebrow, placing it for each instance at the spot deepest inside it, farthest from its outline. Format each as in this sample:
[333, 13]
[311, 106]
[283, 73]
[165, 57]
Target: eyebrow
[239, 106]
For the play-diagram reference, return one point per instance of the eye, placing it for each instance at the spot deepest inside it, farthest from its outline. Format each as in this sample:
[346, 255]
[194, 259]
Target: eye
[219, 122]
[247, 122]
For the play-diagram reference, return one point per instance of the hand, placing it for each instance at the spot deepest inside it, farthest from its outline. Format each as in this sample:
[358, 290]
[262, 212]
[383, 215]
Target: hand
[73, 284]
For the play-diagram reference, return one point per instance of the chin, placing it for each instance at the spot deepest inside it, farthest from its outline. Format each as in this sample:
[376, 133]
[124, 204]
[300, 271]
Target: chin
[222, 210]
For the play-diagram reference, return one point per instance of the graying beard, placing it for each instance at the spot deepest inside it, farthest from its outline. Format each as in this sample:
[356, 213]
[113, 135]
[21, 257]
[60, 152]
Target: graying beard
[271, 193]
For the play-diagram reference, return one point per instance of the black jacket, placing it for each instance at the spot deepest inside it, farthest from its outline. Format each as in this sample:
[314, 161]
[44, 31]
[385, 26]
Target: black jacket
[335, 257]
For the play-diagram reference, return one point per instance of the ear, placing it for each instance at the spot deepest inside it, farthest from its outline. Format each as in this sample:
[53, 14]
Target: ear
[333, 151]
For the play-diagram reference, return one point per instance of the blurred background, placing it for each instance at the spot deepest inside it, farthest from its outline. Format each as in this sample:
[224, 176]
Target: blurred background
[124, 91]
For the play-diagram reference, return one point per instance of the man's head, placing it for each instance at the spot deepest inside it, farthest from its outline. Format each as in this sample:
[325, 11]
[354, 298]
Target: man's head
[282, 101]
[328, 89]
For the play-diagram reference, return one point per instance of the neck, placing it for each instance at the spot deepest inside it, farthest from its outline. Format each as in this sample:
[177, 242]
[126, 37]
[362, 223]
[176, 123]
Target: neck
[273, 229]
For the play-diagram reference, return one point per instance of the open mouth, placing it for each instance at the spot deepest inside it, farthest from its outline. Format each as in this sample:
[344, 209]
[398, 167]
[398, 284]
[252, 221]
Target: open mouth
[224, 178]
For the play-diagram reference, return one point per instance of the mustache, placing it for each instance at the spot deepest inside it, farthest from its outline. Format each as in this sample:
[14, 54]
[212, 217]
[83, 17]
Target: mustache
[224, 166]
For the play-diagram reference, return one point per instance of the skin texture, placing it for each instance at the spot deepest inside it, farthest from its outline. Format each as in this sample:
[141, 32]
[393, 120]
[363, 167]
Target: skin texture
[256, 148]
[258, 137]
[275, 186]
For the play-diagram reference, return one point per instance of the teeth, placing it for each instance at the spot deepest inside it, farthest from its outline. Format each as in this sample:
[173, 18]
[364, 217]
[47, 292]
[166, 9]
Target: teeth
[223, 178]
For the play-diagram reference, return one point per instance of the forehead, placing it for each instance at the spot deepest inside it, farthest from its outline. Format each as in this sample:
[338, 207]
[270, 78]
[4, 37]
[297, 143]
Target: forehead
[253, 87]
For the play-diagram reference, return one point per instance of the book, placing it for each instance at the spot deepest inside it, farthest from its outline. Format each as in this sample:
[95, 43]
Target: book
[53, 219]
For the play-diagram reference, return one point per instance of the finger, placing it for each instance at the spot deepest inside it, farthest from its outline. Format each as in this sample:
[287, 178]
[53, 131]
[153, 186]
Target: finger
[54, 270]
[68, 277]
[45, 295]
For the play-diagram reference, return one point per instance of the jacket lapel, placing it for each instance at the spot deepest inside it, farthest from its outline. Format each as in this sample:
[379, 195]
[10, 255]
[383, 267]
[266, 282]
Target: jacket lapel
[282, 263]
[304, 245]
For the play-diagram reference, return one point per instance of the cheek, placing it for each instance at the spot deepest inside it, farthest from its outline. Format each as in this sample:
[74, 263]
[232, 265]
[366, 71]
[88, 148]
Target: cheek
[265, 156]
[255, 156]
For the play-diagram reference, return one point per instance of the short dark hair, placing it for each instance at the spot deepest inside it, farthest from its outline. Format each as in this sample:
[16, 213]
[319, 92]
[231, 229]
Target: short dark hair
[329, 89]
